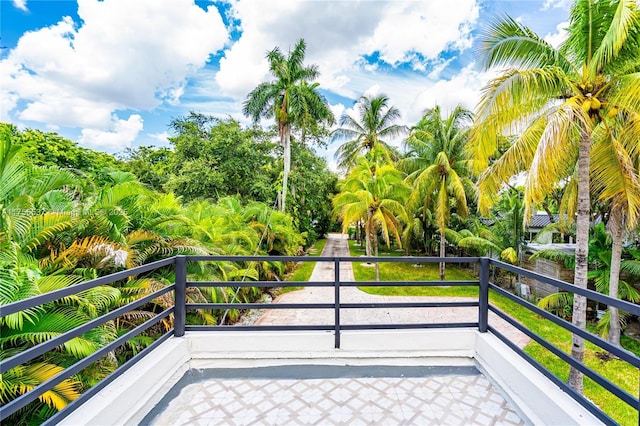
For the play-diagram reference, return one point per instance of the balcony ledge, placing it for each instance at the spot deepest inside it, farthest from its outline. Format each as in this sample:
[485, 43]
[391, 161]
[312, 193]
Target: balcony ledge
[129, 398]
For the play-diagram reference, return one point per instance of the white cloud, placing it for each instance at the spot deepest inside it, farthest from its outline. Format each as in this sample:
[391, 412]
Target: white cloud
[427, 27]
[555, 39]
[162, 137]
[556, 4]
[122, 55]
[21, 4]
[339, 33]
[337, 110]
[120, 135]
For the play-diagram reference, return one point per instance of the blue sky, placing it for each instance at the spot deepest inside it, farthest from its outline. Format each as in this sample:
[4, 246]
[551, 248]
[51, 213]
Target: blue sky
[111, 74]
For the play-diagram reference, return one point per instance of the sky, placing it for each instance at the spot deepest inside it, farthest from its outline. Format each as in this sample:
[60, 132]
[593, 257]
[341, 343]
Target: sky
[112, 74]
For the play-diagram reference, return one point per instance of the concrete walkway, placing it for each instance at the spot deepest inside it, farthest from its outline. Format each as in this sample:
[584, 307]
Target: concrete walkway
[337, 245]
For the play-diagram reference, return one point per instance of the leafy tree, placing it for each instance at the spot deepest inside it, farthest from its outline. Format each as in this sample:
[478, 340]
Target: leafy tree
[312, 186]
[438, 169]
[214, 158]
[50, 149]
[150, 164]
[290, 100]
[559, 98]
[375, 120]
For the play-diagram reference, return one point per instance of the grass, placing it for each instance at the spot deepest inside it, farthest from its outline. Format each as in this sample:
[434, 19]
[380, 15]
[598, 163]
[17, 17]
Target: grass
[303, 270]
[619, 372]
[409, 272]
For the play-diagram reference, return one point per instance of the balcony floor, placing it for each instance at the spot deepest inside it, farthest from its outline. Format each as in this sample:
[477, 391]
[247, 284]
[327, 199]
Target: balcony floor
[332, 395]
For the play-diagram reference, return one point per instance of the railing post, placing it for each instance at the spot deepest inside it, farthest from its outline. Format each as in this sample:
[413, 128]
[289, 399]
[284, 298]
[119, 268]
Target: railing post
[483, 296]
[180, 312]
[336, 283]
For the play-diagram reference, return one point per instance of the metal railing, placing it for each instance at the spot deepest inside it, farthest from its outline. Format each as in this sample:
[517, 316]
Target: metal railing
[180, 326]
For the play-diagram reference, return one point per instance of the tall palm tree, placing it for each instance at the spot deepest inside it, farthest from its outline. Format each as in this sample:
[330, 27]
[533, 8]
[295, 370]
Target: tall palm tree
[438, 168]
[290, 100]
[556, 99]
[375, 121]
[616, 184]
[375, 194]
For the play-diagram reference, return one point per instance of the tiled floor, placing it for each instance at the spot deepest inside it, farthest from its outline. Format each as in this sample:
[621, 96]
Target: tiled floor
[443, 400]
[373, 399]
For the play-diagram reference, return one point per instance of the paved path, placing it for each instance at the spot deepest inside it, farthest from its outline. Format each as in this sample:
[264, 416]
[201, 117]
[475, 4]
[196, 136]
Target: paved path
[337, 245]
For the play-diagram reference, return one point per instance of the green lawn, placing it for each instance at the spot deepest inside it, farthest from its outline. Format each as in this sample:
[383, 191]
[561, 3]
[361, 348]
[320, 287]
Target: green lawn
[409, 272]
[619, 372]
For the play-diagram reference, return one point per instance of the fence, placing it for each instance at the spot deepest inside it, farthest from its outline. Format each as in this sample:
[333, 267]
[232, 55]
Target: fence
[180, 327]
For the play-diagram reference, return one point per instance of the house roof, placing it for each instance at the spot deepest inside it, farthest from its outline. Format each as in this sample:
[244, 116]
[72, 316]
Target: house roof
[540, 220]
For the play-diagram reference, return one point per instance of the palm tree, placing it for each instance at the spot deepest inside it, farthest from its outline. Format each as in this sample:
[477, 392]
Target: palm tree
[438, 169]
[617, 184]
[374, 193]
[601, 258]
[289, 99]
[556, 99]
[375, 120]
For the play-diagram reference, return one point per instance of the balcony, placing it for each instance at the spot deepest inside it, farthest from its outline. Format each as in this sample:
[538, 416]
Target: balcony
[343, 362]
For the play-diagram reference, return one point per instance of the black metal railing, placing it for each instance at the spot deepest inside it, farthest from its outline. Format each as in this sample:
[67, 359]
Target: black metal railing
[180, 326]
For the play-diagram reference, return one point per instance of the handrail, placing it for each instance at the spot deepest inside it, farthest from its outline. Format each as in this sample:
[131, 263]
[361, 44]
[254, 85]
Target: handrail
[180, 308]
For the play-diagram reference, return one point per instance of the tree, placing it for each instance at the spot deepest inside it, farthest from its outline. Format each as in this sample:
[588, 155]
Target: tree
[375, 193]
[557, 98]
[214, 158]
[312, 186]
[600, 259]
[617, 185]
[50, 149]
[438, 169]
[149, 164]
[375, 120]
[290, 100]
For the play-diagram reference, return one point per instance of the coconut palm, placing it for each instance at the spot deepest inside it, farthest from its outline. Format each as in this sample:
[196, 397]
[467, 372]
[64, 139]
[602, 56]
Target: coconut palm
[438, 169]
[601, 259]
[288, 99]
[617, 185]
[556, 99]
[374, 123]
[374, 193]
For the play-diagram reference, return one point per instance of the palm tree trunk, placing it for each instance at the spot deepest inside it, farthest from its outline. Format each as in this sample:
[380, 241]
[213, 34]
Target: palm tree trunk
[286, 144]
[616, 230]
[367, 234]
[442, 254]
[582, 252]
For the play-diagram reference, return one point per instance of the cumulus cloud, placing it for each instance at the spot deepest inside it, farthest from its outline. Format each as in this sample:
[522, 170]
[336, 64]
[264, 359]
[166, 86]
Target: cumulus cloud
[121, 55]
[120, 134]
[556, 4]
[339, 34]
[21, 4]
[555, 39]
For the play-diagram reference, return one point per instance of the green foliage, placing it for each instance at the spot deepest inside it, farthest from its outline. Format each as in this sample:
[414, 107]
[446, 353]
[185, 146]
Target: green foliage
[374, 121]
[150, 164]
[215, 158]
[52, 150]
[312, 187]
[58, 229]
